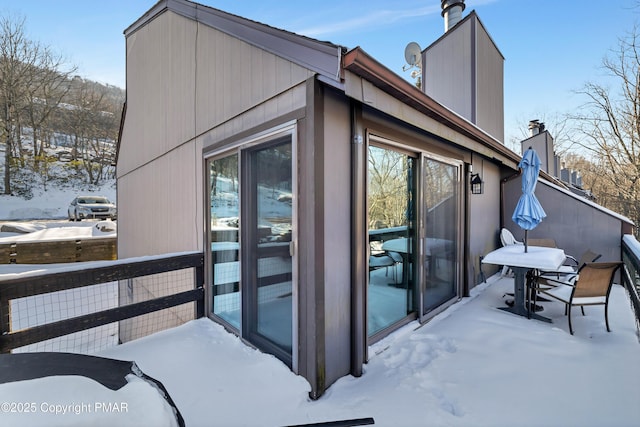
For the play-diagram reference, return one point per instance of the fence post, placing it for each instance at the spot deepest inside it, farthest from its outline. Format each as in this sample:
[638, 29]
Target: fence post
[5, 325]
[199, 284]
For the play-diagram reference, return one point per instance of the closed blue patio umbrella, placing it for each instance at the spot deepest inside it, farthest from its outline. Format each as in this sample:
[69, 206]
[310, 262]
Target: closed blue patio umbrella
[528, 212]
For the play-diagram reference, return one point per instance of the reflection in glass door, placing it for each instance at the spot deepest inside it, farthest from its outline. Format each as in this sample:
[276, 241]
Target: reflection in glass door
[268, 216]
[390, 194]
[225, 246]
[441, 210]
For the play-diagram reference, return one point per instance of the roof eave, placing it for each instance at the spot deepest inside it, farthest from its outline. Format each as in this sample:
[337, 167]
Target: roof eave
[318, 56]
[362, 64]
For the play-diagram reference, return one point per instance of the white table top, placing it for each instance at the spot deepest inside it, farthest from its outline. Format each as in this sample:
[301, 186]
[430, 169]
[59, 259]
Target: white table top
[537, 257]
[397, 245]
[401, 245]
[225, 246]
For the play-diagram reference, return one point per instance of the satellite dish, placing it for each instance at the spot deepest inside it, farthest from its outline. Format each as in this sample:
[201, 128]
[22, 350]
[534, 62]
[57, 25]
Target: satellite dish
[413, 54]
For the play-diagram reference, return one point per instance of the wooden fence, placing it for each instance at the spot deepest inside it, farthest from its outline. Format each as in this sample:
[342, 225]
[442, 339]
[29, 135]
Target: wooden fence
[59, 251]
[31, 285]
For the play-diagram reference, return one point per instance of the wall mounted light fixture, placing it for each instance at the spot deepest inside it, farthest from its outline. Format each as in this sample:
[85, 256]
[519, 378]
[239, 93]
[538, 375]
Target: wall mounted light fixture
[477, 186]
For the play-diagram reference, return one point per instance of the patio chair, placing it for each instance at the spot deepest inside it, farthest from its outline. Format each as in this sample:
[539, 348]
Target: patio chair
[591, 286]
[568, 269]
[397, 260]
[547, 243]
[507, 238]
[380, 259]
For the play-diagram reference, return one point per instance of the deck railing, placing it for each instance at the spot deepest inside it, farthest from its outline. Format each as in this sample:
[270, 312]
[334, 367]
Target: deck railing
[69, 299]
[631, 273]
[59, 251]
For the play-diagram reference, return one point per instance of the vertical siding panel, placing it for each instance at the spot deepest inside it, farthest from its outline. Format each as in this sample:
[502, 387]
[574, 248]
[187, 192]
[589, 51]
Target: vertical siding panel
[269, 73]
[448, 71]
[490, 86]
[163, 205]
[283, 72]
[256, 77]
[337, 252]
[223, 78]
[246, 75]
[160, 90]
[234, 77]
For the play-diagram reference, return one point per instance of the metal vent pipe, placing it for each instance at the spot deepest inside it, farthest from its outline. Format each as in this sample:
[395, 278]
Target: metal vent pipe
[535, 127]
[452, 12]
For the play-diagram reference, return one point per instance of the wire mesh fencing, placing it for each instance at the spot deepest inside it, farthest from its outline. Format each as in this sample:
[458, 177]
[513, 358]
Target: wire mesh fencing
[85, 310]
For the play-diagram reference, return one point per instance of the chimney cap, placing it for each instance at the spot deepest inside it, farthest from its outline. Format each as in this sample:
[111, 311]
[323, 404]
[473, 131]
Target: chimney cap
[448, 4]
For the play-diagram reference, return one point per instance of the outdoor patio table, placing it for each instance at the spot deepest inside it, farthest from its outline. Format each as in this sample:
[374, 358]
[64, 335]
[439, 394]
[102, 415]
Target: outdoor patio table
[402, 245]
[514, 256]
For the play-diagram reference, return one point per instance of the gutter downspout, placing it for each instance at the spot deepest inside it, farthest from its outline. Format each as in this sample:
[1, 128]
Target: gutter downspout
[358, 250]
[467, 232]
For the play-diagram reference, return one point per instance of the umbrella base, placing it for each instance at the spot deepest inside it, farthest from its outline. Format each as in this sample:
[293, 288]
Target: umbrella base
[522, 311]
[534, 307]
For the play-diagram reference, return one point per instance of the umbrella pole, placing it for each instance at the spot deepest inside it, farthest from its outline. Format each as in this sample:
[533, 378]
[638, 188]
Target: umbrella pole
[525, 241]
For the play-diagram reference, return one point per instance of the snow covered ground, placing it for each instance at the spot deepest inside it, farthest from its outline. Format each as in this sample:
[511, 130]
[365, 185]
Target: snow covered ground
[51, 204]
[471, 365]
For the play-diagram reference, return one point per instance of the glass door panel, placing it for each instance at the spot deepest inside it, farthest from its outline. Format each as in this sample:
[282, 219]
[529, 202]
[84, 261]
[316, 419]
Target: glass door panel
[390, 294]
[269, 269]
[441, 210]
[225, 245]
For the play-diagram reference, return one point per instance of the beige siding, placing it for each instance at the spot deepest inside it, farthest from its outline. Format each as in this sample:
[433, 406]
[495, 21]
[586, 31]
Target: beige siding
[184, 79]
[270, 110]
[160, 90]
[160, 206]
[463, 70]
[234, 76]
[448, 71]
[364, 91]
[189, 85]
[490, 90]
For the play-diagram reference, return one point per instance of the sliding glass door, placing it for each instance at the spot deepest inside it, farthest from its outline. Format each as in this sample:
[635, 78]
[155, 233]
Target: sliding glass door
[225, 244]
[268, 271]
[391, 194]
[414, 221]
[252, 235]
[441, 215]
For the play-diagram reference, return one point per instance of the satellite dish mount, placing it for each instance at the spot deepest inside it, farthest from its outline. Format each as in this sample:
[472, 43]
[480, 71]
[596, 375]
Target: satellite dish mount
[413, 56]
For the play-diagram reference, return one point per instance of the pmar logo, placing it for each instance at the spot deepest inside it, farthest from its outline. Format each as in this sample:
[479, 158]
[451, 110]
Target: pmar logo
[111, 407]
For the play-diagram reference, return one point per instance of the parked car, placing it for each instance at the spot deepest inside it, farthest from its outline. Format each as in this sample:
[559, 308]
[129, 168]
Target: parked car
[95, 207]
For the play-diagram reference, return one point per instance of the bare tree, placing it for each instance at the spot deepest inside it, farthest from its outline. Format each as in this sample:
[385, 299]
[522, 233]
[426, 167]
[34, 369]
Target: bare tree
[388, 192]
[30, 76]
[558, 124]
[46, 89]
[91, 118]
[609, 124]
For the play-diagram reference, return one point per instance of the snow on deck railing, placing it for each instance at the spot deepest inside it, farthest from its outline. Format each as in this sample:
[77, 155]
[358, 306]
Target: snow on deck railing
[631, 273]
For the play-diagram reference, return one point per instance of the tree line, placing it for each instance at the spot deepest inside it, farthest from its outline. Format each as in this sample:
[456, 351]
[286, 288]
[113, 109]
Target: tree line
[601, 139]
[42, 98]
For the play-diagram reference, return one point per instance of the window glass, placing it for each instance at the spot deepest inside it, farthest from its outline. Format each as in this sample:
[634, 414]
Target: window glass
[441, 229]
[225, 245]
[390, 295]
